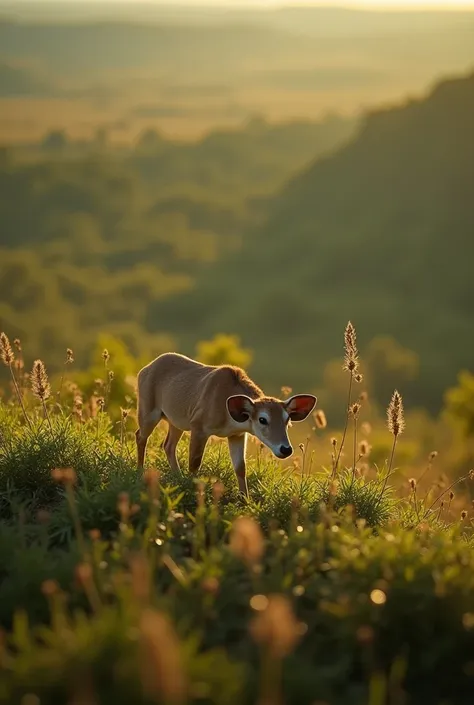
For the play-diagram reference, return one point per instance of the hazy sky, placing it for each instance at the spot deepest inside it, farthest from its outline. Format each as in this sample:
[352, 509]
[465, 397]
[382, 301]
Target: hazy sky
[380, 4]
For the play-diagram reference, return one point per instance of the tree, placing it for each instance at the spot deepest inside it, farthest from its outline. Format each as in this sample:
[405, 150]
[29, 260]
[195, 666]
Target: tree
[459, 404]
[224, 350]
[55, 140]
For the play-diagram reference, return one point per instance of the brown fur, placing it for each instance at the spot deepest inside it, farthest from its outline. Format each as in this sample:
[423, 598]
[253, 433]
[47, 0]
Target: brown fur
[195, 397]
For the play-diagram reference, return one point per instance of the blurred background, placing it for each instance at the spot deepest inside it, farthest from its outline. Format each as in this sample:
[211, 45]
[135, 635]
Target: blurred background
[236, 181]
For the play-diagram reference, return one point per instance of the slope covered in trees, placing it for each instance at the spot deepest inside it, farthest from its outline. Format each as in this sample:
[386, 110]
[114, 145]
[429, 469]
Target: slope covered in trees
[94, 237]
[380, 232]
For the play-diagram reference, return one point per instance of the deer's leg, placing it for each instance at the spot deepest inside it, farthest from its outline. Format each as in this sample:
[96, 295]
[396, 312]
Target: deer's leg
[197, 446]
[170, 444]
[146, 425]
[237, 447]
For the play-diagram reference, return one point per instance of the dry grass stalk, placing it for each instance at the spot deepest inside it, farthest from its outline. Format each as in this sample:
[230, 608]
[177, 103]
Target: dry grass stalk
[41, 387]
[8, 357]
[277, 631]
[396, 426]
[246, 540]
[351, 364]
[162, 673]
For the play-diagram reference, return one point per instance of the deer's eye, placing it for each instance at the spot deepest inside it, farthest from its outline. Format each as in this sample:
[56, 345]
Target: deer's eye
[263, 421]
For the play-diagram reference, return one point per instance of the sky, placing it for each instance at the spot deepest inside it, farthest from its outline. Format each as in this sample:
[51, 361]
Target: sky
[377, 4]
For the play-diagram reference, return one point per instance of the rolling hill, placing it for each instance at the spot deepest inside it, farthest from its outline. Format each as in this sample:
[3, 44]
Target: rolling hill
[380, 232]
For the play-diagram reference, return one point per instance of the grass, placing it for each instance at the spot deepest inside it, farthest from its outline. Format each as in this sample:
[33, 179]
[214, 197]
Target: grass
[322, 587]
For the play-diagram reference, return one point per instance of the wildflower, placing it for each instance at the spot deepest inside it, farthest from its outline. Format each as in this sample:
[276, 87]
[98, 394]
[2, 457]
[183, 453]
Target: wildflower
[162, 673]
[124, 413]
[351, 354]
[451, 495]
[275, 627]
[320, 419]
[396, 420]
[6, 352]
[210, 585]
[463, 515]
[39, 381]
[218, 490]
[123, 506]
[57, 474]
[101, 403]
[83, 573]
[69, 356]
[301, 447]
[286, 391]
[49, 588]
[359, 378]
[471, 474]
[354, 409]
[69, 476]
[363, 396]
[105, 355]
[17, 344]
[246, 540]
[151, 478]
[364, 449]
[111, 375]
[412, 483]
[433, 455]
[333, 442]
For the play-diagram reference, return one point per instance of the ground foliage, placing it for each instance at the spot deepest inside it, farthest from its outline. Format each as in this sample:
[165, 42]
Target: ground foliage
[324, 586]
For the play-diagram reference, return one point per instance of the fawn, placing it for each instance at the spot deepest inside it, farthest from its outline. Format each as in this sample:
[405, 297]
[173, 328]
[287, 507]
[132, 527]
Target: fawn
[209, 401]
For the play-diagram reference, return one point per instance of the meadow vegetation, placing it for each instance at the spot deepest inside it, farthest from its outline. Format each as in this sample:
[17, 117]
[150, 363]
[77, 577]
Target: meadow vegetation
[331, 583]
[159, 190]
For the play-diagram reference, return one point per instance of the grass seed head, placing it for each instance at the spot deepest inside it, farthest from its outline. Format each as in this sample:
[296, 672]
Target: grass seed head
[364, 449]
[39, 381]
[320, 419]
[218, 490]
[351, 354]
[69, 356]
[246, 540]
[276, 628]
[6, 351]
[162, 673]
[354, 409]
[395, 417]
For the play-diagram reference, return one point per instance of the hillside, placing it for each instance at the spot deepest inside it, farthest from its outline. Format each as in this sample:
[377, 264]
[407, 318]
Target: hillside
[87, 222]
[380, 232]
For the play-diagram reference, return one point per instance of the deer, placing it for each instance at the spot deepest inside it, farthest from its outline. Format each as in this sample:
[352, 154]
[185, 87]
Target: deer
[212, 400]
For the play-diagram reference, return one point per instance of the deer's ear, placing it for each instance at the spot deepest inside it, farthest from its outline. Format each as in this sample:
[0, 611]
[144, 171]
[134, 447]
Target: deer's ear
[300, 406]
[240, 407]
